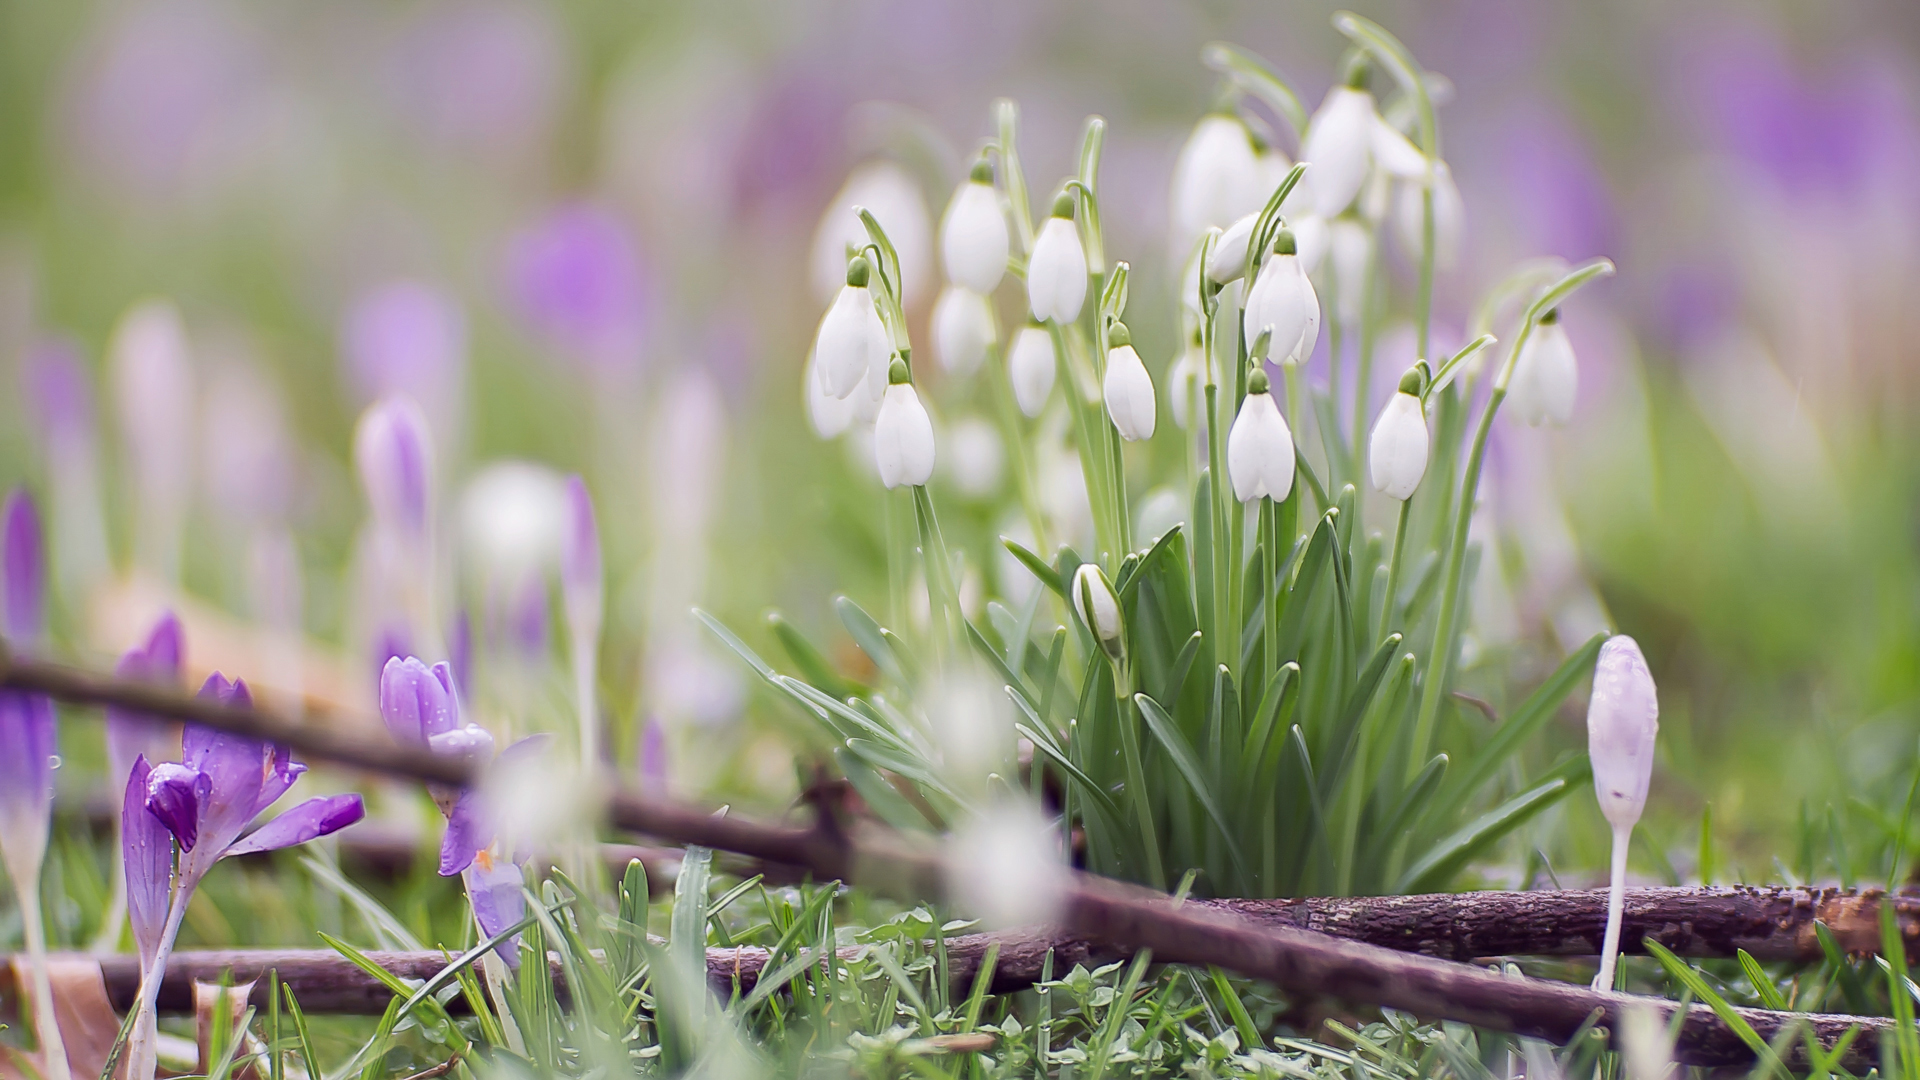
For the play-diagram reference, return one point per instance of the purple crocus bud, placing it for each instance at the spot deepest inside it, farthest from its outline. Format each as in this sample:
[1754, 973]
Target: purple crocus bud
[394, 453]
[131, 735]
[577, 281]
[55, 381]
[404, 337]
[147, 855]
[653, 758]
[25, 573]
[26, 773]
[417, 703]
[153, 388]
[580, 570]
[60, 408]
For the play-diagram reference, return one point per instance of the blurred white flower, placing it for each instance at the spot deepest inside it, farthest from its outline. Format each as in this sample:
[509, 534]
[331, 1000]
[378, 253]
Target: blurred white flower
[1310, 240]
[1646, 1045]
[513, 517]
[972, 723]
[1031, 368]
[1545, 377]
[1006, 867]
[153, 387]
[893, 198]
[1128, 388]
[973, 234]
[1057, 270]
[1394, 154]
[1098, 607]
[903, 435]
[963, 329]
[1216, 179]
[1162, 509]
[975, 457]
[1260, 457]
[1338, 148]
[1449, 217]
[1350, 246]
[851, 334]
[1183, 383]
[1282, 300]
[829, 415]
[1398, 449]
[539, 799]
[1229, 259]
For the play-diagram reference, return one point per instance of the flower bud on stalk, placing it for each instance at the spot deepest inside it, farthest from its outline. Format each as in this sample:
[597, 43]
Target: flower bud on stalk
[1398, 449]
[1057, 270]
[1031, 368]
[963, 329]
[1545, 377]
[394, 455]
[850, 335]
[902, 433]
[1099, 608]
[1128, 389]
[1623, 719]
[973, 234]
[1260, 458]
[1283, 303]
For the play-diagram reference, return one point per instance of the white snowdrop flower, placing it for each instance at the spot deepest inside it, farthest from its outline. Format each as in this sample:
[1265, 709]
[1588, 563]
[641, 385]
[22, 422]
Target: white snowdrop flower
[1217, 178]
[1057, 270]
[1449, 217]
[1338, 146]
[1006, 867]
[1310, 240]
[1623, 720]
[1282, 300]
[872, 390]
[1398, 448]
[973, 233]
[828, 415]
[963, 329]
[1260, 446]
[975, 457]
[850, 334]
[972, 723]
[902, 434]
[894, 199]
[1182, 380]
[1031, 368]
[1350, 247]
[1128, 388]
[1545, 377]
[1229, 260]
[1099, 608]
[1394, 153]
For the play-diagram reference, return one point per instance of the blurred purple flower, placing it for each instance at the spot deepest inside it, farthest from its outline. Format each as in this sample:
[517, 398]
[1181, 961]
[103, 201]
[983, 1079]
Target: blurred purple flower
[393, 450]
[25, 572]
[577, 281]
[59, 394]
[131, 735]
[249, 466]
[1554, 192]
[26, 720]
[54, 378]
[653, 758]
[580, 570]
[405, 337]
[483, 75]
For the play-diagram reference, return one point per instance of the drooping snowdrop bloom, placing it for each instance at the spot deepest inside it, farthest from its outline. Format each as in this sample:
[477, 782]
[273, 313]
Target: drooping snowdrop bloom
[851, 334]
[829, 415]
[200, 805]
[1350, 246]
[1394, 154]
[1216, 179]
[1623, 719]
[1310, 239]
[27, 732]
[1260, 445]
[963, 329]
[152, 377]
[1545, 377]
[973, 233]
[894, 199]
[1031, 368]
[1057, 271]
[1282, 301]
[1339, 144]
[902, 433]
[1449, 216]
[1229, 260]
[1128, 388]
[1099, 608]
[1398, 449]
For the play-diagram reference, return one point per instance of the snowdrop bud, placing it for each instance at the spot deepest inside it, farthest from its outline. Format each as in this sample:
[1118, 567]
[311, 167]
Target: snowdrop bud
[973, 234]
[1099, 607]
[1129, 389]
[1544, 375]
[1181, 379]
[1006, 867]
[963, 329]
[1216, 179]
[1260, 446]
[1350, 246]
[1282, 301]
[1449, 217]
[394, 454]
[1622, 720]
[1398, 450]
[1339, 147]
[1229, 260]
[1031, 368]
[1057, 271]
[902, 433]
[1310, 240]
[850, 335]
[829, 415]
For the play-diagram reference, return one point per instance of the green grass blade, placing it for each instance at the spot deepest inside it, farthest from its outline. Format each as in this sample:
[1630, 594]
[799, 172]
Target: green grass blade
[1524, 722]
[1688, 977]
[1205, 789]
[1438, 866]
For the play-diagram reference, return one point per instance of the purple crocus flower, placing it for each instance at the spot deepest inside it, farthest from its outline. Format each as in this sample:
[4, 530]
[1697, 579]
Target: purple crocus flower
[582, 585]
[578, 282]
[201, 804]
[394, 454]
[131, 735]
[422, 708]
[60, 410]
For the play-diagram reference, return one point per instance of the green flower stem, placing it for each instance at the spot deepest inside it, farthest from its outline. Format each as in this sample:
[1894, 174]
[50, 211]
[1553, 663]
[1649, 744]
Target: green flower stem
[1296, 397]
[1007, 119]
[1223, 654]
[1423, 305]
[1270, 584]
[943, 599]
[1137, 792]
[1391, 607]
[26, 882]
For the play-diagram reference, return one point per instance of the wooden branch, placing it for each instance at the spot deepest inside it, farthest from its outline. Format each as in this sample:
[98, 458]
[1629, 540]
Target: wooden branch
[1297, 960]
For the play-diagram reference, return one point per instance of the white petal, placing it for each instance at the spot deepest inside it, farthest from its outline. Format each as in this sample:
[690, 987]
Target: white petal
[1229, 259]
[1093, 598]
[1310, 240]
[903, 438]
[1283, 300]
[1216, 179]
[1394, 153]
[895, 201]
[1338, 148]
[829, 415]
[1398, 450]
[1623, 720]
[1057, 273]
[1260, 451]
[1129, 394]
[849, 333]
[973, 238]
[1031, 367]
[1349, 246]
[1449, 215]
[963, 329]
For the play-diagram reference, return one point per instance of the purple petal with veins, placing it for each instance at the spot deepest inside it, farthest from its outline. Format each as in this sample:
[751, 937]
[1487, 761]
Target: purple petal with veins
[130, 734]
[178, 796]
[310, 820]
[147, 853]
[25, 574]
[236, 766]
[467, 833]
[414, 701]
[496, 891]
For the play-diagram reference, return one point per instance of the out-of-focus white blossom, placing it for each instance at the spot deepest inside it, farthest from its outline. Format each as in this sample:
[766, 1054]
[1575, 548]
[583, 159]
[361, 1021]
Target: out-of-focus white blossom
[1006, 867]
[975, 457]
[1216, 179]
[1128, 388]
[1338, 148]
[513, 519]
[1057, 270]
[963, 329]
[1031, 367]
[1394, 154]
[1350, 246]
[902, 434]
[973, 234]
[1310, 240]
[895, 201]
[1545, 377]
[1260, 456]
[1183, 383]
[1449, 216]
[153, 387]
[1161, 510]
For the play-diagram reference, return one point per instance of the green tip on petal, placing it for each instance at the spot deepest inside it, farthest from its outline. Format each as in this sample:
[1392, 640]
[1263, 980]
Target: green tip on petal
[897, 373]
[857, 271]
[982, 171]
[1258, 383]
[1119, 336]
[1262, 342]
[1355, 77]
[1063, 205]
[1414, 381]
[1552, 316]
[1284, 244]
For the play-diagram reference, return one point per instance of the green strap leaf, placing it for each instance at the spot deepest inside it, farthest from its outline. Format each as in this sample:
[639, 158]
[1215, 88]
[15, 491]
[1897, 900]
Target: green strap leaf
[1449, 855]
[1185, 760]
